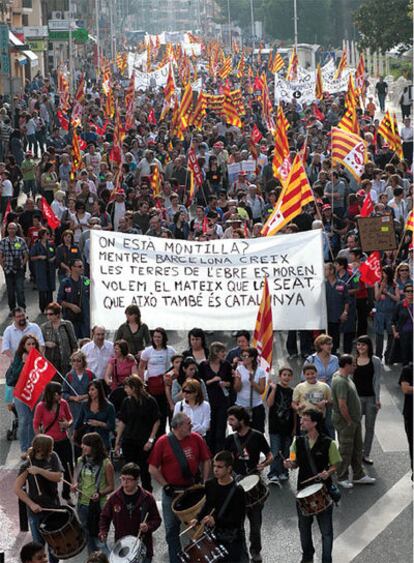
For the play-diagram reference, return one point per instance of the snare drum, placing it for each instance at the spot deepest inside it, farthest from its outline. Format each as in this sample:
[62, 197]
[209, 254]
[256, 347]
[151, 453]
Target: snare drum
[313, 499]
[63, 533]
[255, 490]
[203, 550]
[128, 550]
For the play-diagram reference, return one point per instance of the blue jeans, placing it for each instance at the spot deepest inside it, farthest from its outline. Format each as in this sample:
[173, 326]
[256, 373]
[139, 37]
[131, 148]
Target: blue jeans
[34, 523]
[279, 443]
[25, 418]
[172, 529]
[94, 544]
[325, 526]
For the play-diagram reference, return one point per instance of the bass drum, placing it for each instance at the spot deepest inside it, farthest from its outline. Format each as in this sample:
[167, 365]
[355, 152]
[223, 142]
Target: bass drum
[189, 503]
[313, 499]
[63, 533]
[128, 550]
[255, 490]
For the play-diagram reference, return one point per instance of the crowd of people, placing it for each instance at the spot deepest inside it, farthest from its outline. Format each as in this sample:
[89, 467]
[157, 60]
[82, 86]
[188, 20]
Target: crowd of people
[116, 398]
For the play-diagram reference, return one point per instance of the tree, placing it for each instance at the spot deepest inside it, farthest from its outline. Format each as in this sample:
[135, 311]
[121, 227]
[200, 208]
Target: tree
[383, 24]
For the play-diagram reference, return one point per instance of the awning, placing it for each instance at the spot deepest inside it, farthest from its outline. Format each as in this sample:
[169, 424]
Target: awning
[14, 40]
[22, 55]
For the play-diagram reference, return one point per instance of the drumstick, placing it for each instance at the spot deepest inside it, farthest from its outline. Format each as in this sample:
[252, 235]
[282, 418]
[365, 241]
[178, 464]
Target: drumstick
[78, 490]
[143, 522]
[69, 471]
[39, 492]
[310, 479]
[194, 525]
[53, 510]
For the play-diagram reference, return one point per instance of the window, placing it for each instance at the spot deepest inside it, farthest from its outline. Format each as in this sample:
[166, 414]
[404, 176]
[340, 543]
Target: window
[27, 4]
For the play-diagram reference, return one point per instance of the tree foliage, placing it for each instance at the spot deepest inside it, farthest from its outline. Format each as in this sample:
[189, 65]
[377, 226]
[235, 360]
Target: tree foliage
[383, 24]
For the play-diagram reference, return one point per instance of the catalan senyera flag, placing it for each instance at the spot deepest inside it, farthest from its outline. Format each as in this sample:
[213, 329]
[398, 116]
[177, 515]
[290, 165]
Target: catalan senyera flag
[278, 63]
[122, 62]
[76, 153]
[199, 112]
[319, 83]
[226, 68]
[267, 104]
[352, 94]
[241, 66]
[342, 65]
[295, 194]
[409, 224]
[80, 91]
[186, 106]
[169, 90]
[350, 150]
[280, 162]
[155, 181]
[292, 71]
[360, 75]
[263, 332]
[349, 121]
[230, 110]
[388, 129]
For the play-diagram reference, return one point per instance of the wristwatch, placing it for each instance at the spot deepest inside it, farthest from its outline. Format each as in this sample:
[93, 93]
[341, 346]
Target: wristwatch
[151, 440]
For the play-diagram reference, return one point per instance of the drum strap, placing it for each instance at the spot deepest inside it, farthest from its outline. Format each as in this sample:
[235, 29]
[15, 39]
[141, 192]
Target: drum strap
[310, 456]
[180, 456]
[49, 426]
[225, 504]
[240, 449]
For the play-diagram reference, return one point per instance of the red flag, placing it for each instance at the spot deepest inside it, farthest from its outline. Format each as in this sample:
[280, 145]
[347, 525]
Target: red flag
[371, 271]
[64, 122]
[151, 117]
[255, 134]
[6, 213]
[204, 226]
[48, 215]
[367, 207]
[36, 373]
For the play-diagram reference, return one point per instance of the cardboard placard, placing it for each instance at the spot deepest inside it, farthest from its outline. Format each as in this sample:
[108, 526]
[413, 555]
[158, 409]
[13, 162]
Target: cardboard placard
[377, 233]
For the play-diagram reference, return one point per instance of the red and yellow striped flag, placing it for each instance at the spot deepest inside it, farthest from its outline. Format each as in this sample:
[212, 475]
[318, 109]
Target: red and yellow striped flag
[230, 110]
[226, 68]
[388, 129]
[186, 106]
[409, 224]
[280, 162]
[263, 332]
[349, 150]
[360, 75]
[122, 62]
[294, 196]
[80, 91]
[76, 153]
[342, 65]
[278, 63]
[292, 72]
[349, 121]
[155, 181]
[199, 112]
[352, 94]
[319, 83]
[241, 66]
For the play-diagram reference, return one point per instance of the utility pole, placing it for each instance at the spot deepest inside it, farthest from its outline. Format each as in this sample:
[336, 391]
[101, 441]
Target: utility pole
[295, 20]
[98, 50]
[113, 36]
[252, 22]
[229, 22]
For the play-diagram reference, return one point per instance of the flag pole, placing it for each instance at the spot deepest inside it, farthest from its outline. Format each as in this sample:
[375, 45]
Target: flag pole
[67, 382]
[400, 245]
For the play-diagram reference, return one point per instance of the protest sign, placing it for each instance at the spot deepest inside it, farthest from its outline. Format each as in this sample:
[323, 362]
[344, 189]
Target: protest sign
[215, 285]
[377, 233]
[156, 78]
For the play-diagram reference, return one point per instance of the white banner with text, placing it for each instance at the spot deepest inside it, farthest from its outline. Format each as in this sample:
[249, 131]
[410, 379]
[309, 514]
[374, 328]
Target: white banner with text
[214, 285]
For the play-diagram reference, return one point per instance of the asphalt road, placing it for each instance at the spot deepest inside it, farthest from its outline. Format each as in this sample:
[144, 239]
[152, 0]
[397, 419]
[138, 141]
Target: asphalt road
[371, 523]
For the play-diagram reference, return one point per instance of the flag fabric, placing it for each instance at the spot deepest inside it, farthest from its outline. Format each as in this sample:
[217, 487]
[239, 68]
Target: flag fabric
[278, 63]
[388, 129]
[49, 215]
[230, 110]
[360, 75]
[349, 150]
[195, 167]
[36, 373]
[80, 91]
[267, 104]
[319, 83]
[409, 224]
[199, 112]
[352, 94]
[263, 332]
[151, 117]
[169, 90]
[155, 181]
[294, 196]
[256, 136]
[76, 153]
[63, 120]
[280, 162]
[349, 121]
[292, 71]
[342, 65]
[367, 206]
[6, 213]
[241, 66]
[226, 68]
[371, 271]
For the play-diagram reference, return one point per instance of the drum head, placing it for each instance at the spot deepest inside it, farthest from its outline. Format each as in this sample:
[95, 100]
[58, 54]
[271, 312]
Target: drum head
[188, 499]
[55, 521]
[308, 491]
[250, 482]
[125, 550]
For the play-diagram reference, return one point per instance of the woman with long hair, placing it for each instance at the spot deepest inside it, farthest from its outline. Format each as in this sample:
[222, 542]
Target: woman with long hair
[387, 295]
[53, 417]
[75, 386]
[188, 370]
[197, 345]
[60, 338]
[195, 407]
[367, 379]
[154, 362]
[97, 413]
[94, 479]
[120, 366]
[24, 412]
[43, 468]
[133, 331]
[216, 373]
[169, 378]
[138, 423]
[250, 383]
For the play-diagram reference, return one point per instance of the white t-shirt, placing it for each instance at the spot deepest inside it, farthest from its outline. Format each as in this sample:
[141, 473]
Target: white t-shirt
[244, 397]
[158, 361]
[6, 188]
[199, 415]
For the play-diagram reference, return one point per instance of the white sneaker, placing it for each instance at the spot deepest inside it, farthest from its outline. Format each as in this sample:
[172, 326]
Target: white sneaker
[283, 477]
[365, 480]
[274, 480]
[346, 484]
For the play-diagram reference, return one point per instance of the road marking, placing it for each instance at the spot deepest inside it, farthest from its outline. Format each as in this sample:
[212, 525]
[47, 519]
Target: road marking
[389, 427]
[375, 520]
[13, 457]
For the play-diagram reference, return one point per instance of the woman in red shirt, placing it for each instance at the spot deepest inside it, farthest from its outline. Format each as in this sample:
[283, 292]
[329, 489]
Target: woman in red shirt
[53, 417]
[121, 366]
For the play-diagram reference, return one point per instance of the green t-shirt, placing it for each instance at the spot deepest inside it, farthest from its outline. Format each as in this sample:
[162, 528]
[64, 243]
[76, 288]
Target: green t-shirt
[28, 168]
[87, 482]
[344, 388]
[333, 454]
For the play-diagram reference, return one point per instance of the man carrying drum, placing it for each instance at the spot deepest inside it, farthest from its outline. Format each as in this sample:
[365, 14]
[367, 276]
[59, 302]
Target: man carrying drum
[175, 462]
[316, 456]
[225, 508]
[246, 445]
[133, 512]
